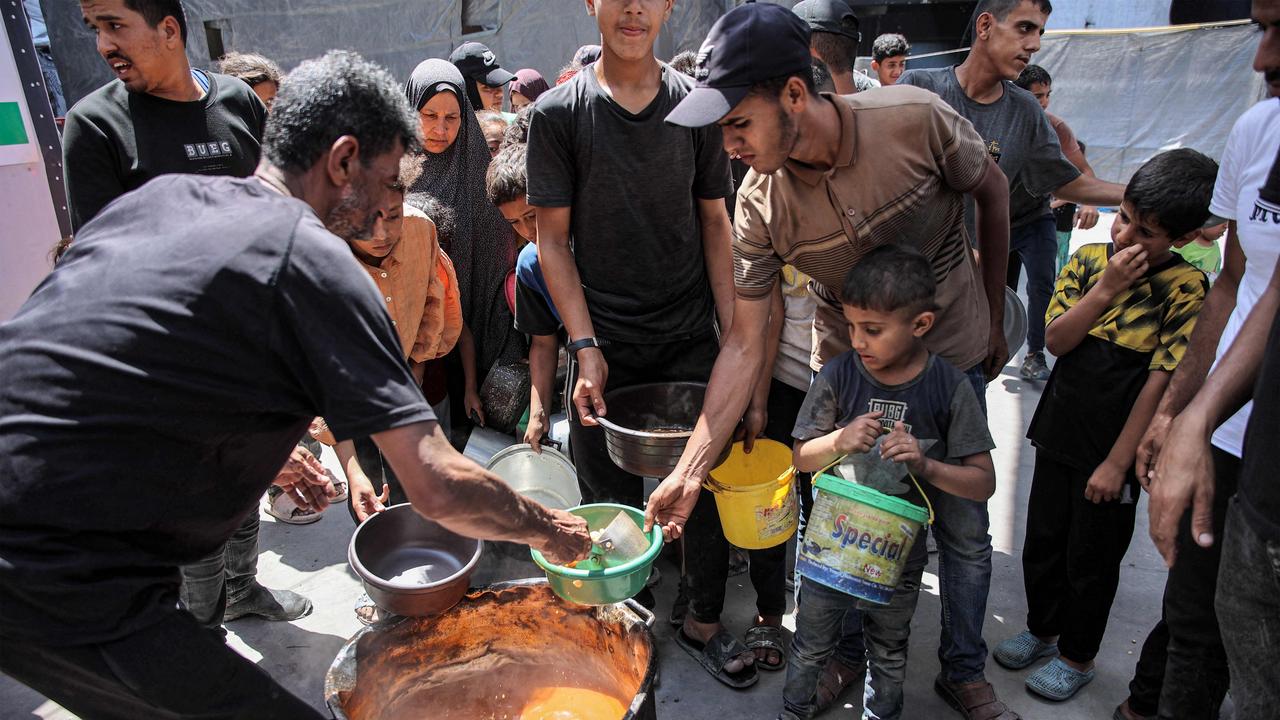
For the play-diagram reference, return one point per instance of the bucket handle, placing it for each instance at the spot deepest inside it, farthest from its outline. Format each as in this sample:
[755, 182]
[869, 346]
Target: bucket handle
[914, 481]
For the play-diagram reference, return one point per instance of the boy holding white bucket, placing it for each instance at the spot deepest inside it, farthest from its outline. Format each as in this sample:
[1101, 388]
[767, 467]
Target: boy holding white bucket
[894, 412]
[1119, 321]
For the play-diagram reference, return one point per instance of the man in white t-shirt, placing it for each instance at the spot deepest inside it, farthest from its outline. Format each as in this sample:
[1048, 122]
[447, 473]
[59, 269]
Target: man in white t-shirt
[1194, 678]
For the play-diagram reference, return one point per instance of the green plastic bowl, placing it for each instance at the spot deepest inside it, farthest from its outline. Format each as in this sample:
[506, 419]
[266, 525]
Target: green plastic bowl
[611, 585]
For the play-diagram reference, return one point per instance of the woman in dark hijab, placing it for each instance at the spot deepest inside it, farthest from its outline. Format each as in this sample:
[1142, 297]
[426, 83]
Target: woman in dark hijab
[526, 88]
[483, 247]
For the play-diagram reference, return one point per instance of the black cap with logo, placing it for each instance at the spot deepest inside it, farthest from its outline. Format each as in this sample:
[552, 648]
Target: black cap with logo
[477, 62]
[750, 44]
[829, 16]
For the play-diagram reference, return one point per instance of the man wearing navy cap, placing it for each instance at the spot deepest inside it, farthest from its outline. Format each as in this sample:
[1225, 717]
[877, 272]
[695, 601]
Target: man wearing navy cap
[485, 78]
[832, 178]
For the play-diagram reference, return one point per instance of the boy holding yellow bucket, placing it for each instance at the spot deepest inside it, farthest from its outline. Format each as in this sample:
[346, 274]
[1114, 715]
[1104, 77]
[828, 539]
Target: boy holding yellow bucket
[897, 415]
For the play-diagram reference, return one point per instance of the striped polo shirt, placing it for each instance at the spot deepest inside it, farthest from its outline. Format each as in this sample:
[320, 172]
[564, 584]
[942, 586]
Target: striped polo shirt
[905, 161]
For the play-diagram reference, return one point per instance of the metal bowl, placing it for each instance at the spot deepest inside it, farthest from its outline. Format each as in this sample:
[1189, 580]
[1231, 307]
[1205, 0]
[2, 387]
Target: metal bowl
[547, 477]
[649, 425]
[1015, 321]
[411, 565]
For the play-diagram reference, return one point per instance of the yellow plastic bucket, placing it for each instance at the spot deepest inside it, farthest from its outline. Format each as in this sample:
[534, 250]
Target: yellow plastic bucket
[755, 495]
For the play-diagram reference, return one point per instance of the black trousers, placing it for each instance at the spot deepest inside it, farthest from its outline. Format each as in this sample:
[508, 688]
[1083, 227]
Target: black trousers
[768, 566]
[1182, 671]
[173, 669]
[1071, 557]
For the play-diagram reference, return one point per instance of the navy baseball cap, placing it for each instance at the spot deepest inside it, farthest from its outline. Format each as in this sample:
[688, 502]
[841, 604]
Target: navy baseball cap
[477, 62]
[750, 44]
[829, 16]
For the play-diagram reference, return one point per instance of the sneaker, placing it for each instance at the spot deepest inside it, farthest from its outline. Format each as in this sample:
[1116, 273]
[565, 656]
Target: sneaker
[275, 605]
[1034, 367]
[1021, 650]
[282, 507]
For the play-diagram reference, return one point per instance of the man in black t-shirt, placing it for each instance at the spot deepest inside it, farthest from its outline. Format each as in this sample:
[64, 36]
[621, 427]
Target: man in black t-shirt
[159, 116]
[156, 381]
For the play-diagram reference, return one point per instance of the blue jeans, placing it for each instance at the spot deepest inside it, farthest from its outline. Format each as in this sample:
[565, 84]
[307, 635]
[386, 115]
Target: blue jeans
[1036, 244]
[1248, 606]
[824, 618]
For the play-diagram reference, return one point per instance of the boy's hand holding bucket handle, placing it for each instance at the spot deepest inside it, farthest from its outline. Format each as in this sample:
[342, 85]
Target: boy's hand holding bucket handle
[902, 447]
[860, 435]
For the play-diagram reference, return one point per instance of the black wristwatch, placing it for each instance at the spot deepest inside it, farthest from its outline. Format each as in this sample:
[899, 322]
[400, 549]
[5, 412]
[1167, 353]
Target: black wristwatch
[583, 344]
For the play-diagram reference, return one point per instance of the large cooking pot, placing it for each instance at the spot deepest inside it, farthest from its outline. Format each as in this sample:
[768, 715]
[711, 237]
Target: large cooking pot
[649, 425]
[409, 564]
[505, 651]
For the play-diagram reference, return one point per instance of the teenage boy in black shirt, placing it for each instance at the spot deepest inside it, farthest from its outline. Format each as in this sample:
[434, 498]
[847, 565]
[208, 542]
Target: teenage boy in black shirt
[156, 381]
[649, 269]
[159, 116]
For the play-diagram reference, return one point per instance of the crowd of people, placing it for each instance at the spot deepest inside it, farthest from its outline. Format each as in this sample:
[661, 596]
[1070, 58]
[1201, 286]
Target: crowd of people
[264, 264]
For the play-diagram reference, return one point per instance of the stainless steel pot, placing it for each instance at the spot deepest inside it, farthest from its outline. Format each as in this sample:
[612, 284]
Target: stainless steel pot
[490, 654]
[411, 565]
[649, 425]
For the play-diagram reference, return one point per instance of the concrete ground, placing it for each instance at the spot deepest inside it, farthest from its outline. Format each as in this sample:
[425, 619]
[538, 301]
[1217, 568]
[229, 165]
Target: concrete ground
[312, 560]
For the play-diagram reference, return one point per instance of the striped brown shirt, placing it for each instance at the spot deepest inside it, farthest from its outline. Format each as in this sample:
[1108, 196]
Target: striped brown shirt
[905, 161]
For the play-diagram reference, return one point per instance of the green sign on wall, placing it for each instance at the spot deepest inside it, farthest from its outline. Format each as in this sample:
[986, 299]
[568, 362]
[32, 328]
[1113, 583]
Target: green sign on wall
[12, 131]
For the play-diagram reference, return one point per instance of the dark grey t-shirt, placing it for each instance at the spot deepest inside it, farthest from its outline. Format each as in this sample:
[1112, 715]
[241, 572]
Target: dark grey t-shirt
[154, 384]
[1019, 138]
[634, 183]
[939, 407]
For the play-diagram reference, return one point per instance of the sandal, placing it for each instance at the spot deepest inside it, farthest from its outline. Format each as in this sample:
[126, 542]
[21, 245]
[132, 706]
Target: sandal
[767, 637]
[1022, 650]
[836, 677]
[1057, 680]
[367, 611]
[974, 703]
[714, 654]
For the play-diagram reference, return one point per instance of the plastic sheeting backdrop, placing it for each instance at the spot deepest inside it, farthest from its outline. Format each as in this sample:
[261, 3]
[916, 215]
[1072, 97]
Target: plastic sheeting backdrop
[1130, 95]
[398, 34]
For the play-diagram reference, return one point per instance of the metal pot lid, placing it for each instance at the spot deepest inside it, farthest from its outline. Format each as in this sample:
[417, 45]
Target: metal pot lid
[1015, 321]
[551, 457]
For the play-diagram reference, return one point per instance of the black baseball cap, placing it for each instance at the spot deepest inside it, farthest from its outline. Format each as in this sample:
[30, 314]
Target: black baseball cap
[750, 44]
[830, 16]
[477, 62]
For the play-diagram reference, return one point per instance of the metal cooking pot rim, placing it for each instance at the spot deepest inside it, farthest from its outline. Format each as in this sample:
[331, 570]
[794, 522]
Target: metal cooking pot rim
[614, 427]
[655, 547]
[367, 575]
[604, 422]
[526, 448]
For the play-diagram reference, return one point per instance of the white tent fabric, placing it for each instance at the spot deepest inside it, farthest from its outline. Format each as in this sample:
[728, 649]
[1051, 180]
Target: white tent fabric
[1129, 95]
